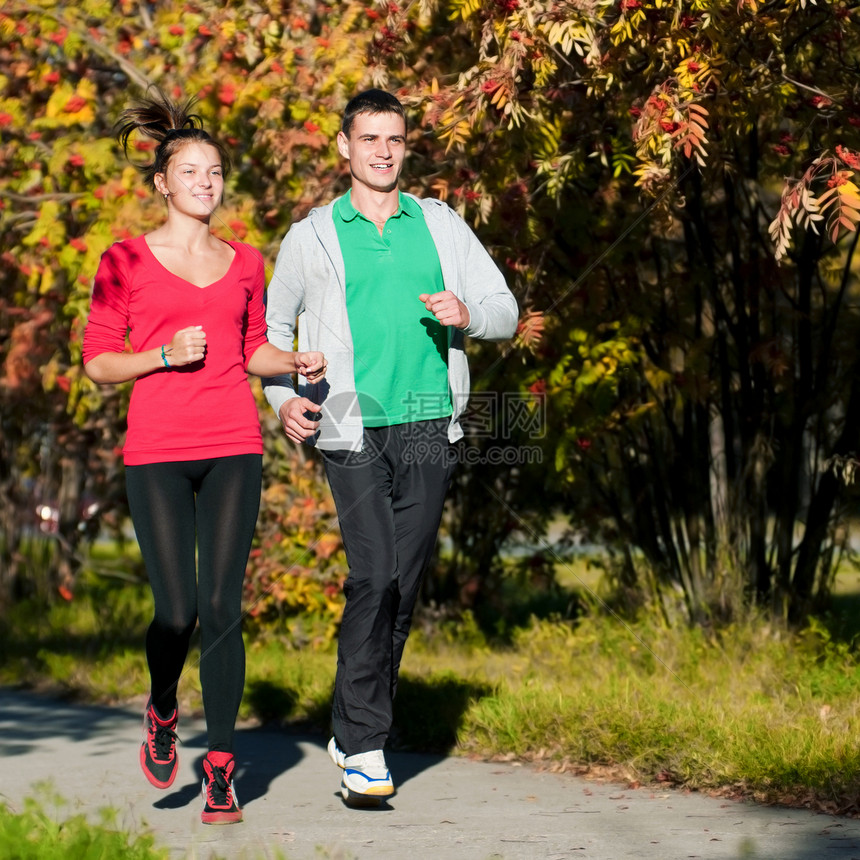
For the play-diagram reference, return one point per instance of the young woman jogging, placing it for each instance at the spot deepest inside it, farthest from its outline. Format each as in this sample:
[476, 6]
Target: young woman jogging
[191, 307]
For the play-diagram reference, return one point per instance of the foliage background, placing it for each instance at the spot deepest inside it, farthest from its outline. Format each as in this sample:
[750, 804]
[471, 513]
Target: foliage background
[650, 175]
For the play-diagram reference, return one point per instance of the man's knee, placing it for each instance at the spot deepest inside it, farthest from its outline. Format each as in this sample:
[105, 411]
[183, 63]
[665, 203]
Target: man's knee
[373, 588]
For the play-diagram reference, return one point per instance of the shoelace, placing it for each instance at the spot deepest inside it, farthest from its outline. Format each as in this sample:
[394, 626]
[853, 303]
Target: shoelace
[219, 781]
[163, 740]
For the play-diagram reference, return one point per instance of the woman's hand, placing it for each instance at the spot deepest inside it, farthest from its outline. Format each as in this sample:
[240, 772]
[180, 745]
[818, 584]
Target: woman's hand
[268, 360]
[187, 346]
[311, 365]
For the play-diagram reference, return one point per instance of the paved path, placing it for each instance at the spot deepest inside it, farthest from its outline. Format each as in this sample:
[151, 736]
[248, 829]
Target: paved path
[445, 807]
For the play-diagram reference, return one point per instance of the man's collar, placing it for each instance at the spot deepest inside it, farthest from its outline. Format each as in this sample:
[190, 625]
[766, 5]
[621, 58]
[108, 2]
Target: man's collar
[348, 212]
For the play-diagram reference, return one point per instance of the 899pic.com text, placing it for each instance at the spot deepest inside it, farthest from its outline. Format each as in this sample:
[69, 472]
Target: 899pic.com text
[421, 451]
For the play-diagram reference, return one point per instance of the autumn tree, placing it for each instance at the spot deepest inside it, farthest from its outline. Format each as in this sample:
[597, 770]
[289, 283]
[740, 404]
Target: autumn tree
[674, 183]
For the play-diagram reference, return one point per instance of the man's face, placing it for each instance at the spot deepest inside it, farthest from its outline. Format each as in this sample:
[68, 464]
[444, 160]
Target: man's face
[376, 147]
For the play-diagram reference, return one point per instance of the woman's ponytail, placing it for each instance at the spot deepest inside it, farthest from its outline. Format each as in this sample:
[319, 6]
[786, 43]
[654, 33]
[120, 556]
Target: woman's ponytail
[171, 124]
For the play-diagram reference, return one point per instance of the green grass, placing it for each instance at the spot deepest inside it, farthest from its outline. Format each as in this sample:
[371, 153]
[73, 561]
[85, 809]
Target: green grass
[750, 713]
[42, 832]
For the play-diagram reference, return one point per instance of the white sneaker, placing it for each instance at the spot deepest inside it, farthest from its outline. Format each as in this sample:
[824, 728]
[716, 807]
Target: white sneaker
[365, 776]
[336, 754]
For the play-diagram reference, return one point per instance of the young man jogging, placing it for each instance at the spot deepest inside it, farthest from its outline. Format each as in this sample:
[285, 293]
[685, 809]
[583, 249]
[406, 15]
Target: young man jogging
[386, 285]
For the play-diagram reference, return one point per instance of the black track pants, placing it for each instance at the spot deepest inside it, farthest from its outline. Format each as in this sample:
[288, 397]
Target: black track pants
[389, 501]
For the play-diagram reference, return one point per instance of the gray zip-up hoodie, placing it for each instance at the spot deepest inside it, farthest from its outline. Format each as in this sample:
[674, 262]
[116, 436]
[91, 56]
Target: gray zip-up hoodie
[307, 290]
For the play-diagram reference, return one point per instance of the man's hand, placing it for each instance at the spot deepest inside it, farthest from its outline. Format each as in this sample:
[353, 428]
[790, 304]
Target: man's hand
[447, 308]
[311, 365]
[294, 420]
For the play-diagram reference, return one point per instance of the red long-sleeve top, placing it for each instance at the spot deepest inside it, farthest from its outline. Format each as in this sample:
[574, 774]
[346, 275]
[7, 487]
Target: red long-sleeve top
[202, 410]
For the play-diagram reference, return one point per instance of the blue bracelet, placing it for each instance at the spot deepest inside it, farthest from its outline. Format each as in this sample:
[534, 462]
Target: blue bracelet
[164, 357]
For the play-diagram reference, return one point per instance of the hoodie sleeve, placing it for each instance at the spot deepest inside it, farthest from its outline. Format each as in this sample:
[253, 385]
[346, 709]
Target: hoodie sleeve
[492, 307]
[284, 302]
[469, 271]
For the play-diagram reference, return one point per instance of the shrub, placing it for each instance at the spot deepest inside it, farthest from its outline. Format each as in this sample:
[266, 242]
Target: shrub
[297, 566]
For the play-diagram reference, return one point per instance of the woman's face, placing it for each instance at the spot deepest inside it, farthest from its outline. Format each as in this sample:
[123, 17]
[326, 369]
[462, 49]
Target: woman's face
[194, 179]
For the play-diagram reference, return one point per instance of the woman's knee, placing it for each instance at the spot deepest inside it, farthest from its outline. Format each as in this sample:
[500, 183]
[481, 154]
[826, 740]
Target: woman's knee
[220, 615]
[176, 627]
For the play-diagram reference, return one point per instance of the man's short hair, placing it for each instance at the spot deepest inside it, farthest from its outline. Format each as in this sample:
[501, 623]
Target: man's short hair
[373, 102]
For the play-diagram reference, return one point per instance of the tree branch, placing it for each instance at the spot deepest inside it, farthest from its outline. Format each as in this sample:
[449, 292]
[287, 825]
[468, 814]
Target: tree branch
[128, 69]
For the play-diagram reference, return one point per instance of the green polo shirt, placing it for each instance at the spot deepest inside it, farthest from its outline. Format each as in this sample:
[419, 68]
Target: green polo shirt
[401, 350]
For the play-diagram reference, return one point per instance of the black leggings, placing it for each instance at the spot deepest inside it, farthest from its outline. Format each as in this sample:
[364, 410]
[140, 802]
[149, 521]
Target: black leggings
[209, 506]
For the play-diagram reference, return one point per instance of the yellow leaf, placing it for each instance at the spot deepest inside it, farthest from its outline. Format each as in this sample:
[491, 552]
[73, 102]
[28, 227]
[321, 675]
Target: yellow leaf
[47, 280]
